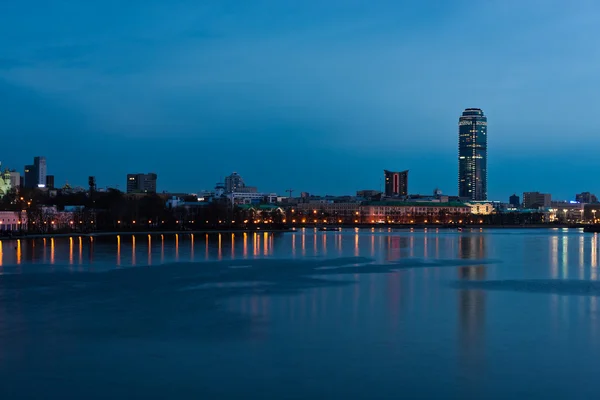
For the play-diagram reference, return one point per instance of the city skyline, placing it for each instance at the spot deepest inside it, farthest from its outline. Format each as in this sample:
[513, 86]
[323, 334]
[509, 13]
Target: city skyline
[195, 86]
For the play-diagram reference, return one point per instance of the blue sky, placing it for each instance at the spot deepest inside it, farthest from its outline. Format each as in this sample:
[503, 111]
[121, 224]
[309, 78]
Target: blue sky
[310, 95]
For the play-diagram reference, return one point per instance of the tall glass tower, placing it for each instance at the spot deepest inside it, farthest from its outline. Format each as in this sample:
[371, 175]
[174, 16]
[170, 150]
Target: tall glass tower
[472, 154]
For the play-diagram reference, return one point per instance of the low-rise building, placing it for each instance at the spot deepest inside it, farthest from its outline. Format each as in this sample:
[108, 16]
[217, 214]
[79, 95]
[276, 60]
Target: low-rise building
[13, 221]
[410, 212]
[566, 212]
[251, 198]
[536, 200]
[481, 208]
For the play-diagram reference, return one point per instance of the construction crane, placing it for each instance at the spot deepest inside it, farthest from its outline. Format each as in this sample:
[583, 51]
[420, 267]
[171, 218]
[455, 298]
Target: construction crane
[290, 191]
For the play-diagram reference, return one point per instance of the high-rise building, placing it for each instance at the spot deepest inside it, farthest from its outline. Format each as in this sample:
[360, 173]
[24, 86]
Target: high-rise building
[50, 181]
[586, 197]
[514, 200]
[35, 174]
[472, 155]
[396, 183]
[233, 183]
[40, 170]
[536, 200]
[141, 183]
[30, 177]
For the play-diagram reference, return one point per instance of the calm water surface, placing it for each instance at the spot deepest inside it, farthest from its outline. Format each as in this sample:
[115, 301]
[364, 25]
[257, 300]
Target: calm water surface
[369, 315]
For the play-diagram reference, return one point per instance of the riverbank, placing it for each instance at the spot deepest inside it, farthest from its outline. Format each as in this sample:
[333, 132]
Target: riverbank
[292, 229]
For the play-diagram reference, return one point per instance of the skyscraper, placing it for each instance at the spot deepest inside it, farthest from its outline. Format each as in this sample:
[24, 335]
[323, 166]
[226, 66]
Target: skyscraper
[30, 177]
[396, 183]
[40, 170]
[472, 155]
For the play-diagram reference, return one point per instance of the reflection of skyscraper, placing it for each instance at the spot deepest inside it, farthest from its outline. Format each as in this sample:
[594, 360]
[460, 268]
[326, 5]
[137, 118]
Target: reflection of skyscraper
[396, 183]
[472, 155]
[471, 303]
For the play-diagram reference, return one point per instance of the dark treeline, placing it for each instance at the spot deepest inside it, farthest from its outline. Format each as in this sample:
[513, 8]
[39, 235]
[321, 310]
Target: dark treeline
[114, 210]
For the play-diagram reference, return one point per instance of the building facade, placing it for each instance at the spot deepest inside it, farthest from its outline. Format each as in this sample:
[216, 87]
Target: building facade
[30, 180]
[5, 183]
[13, 221]
[251, 198]
[586, 197]
[514, 201]
[536, 200]
[50, 181]
[15, 179]
[472, 155]
[141, 183]
[406, 212]
[39, 164]
[483, 208]
[396, 183]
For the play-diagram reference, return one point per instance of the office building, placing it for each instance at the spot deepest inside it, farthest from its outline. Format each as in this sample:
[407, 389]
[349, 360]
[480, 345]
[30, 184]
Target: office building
[396, 183]
[233, 183]
[30, 177]
[15, 179]
[39, 164]
[472, 155]
[536, 200]
[514, 201]
[586, 197]
[35, 174]
[50, 181]
[141, 183]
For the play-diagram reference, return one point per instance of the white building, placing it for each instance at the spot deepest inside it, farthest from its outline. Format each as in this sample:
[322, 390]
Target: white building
[251, 198]
[482, 208]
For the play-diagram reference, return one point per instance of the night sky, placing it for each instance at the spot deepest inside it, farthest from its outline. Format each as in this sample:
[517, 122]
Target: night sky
[318, 96]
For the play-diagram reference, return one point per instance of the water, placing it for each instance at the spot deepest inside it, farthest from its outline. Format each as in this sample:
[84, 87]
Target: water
[368, 315]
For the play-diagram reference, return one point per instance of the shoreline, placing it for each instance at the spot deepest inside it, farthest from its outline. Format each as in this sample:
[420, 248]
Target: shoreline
[343, 227]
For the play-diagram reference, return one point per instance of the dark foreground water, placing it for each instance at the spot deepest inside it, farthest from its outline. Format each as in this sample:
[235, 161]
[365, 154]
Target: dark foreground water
[369, 315]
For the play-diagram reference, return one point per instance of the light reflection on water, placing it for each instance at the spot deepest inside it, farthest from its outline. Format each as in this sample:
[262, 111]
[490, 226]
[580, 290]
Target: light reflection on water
[375, 330]
[571, 255]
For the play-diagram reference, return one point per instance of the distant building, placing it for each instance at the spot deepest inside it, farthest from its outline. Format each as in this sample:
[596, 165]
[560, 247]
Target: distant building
[396, 183]
[564, 211]
[586, 197]
[514, 201]
[5, 185]
[483, 208]
[472, 155]
[35, 174]
[368, 194]
[15, 179]
[50, 181]
[234, 182]
[39, 164]
[13, 221]
[141, 183]
[536, 200]
[408, 212]
[304, 195]
[30, 177]
[219, 189]
[251, 198]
